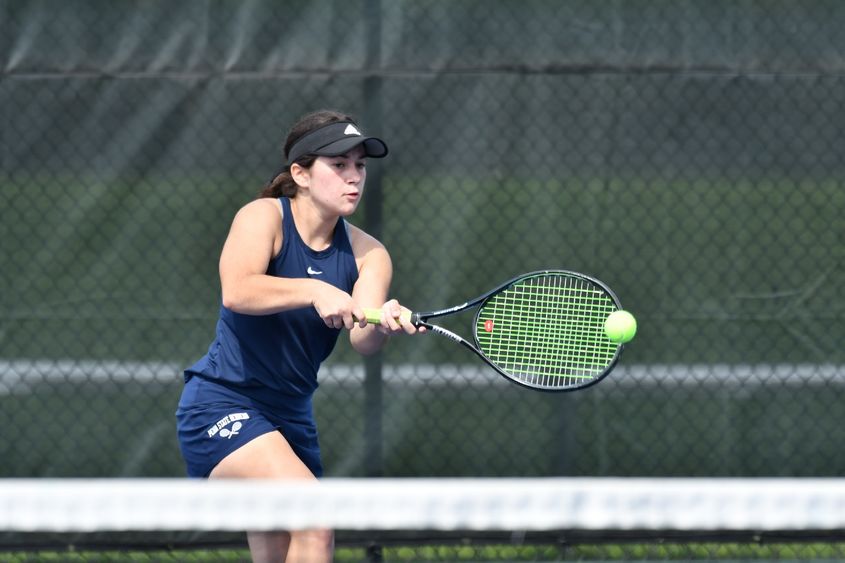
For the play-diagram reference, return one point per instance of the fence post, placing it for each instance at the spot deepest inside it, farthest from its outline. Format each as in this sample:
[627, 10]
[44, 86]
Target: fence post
[373, 203]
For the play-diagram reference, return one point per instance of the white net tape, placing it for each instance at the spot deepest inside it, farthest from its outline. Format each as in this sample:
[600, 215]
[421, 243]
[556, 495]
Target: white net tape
[82, 505]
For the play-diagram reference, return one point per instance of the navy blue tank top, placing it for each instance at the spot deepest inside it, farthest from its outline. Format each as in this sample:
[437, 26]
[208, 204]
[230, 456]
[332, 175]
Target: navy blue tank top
[275, 358]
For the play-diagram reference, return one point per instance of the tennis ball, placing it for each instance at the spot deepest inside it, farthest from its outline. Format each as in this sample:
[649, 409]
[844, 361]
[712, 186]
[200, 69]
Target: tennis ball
[620, 326]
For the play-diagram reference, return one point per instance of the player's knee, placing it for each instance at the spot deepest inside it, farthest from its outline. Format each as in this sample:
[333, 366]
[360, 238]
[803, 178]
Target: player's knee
[317, 541]
[268, 547]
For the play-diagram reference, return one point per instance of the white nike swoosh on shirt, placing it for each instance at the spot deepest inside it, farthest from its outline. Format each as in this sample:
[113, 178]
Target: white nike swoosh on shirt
[312, 272]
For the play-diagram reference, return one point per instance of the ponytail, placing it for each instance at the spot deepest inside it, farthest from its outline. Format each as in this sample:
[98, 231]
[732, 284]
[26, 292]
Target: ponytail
[282, 185]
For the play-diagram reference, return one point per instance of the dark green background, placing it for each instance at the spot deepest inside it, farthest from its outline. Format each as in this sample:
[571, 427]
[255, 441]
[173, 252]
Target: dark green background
[689, 154]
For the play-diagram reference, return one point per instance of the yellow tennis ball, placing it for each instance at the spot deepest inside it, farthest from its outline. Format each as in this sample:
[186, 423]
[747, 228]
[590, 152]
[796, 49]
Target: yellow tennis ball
[620, 326]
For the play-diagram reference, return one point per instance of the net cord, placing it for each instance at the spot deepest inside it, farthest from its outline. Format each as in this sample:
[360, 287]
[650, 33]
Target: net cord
[537, 504]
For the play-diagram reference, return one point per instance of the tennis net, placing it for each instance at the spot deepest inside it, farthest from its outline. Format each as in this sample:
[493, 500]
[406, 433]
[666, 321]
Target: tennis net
[494, 519]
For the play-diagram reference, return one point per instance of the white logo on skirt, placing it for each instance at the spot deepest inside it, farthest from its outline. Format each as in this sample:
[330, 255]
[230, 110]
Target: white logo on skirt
[220, 426]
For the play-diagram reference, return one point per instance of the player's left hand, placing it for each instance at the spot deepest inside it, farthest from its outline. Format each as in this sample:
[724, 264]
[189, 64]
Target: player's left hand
[396, 319]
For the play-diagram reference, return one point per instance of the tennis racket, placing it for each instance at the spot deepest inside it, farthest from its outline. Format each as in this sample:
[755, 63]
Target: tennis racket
[543, 330]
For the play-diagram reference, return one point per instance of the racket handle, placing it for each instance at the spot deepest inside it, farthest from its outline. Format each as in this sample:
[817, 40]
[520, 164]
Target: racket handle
[373, 316]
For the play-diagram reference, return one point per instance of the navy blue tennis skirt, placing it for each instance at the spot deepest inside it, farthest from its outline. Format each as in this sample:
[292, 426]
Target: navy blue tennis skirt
[214, 420]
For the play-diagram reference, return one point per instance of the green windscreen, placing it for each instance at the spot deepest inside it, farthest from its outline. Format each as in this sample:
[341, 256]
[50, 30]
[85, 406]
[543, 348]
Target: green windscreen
[547, 330]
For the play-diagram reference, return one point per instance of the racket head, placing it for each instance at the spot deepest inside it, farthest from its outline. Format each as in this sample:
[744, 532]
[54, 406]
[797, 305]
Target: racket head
[545, 330]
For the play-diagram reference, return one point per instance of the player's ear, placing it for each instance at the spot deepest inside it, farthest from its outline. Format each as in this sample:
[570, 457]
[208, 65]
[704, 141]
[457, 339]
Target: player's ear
[300, 175]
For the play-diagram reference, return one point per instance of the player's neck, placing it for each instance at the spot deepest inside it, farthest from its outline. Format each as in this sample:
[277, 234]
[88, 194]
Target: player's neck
[315, 229]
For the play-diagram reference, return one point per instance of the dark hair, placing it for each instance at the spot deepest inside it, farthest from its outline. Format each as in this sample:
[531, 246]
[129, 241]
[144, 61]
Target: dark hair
[282, 184]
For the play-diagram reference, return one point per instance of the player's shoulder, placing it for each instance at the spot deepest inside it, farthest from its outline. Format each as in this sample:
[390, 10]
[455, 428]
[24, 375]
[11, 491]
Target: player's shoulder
[361, 241]
[369, 252]
[265, 208]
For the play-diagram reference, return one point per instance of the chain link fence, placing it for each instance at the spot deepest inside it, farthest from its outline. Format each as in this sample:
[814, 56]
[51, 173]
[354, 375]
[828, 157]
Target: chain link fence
[689, 154]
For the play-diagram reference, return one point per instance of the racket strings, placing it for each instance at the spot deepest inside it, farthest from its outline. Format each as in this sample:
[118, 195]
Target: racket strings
[548, 330]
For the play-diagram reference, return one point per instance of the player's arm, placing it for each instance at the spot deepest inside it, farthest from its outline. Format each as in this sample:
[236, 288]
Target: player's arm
[375, 271]
[254, 238]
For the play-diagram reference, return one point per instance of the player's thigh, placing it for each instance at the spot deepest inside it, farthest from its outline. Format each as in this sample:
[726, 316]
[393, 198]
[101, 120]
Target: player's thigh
[268, 456]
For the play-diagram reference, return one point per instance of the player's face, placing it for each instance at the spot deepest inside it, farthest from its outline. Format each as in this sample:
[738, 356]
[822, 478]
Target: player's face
[337, 182]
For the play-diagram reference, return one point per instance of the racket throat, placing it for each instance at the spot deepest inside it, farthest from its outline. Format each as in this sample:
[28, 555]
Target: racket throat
[443, 332]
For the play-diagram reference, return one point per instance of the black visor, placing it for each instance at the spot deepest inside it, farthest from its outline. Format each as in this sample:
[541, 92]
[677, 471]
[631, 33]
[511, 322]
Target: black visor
[336, 139]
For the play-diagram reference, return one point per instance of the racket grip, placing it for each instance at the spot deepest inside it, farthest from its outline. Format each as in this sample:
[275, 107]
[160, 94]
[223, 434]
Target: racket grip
[373, 316]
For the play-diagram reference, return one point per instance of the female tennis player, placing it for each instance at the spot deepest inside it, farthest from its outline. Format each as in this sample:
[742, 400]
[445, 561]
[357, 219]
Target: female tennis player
[293, 274]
